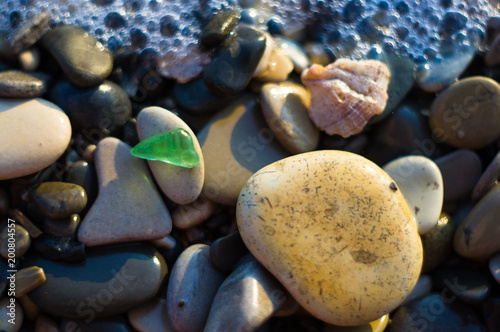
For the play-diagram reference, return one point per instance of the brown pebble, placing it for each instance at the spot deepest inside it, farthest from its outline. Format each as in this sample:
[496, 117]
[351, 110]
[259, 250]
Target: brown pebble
[89, 152]
[62, 227]
[59, 199]
[31, 310]
[186, 216]
[19, 217]
[488, 179]
[22, 241]
[437, 243]
[28, 279]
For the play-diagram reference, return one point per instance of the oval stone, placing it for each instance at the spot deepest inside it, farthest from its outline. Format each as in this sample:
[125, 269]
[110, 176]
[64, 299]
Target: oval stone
[58, 199]
[338, 234]
[111, 281]
[34, 134]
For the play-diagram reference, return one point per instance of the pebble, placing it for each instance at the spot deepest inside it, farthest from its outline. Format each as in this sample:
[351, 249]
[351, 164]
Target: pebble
[30, 32]
[4, 317]
[83, 174]
[22, 220]
[186, 216]
[45, 324]
[437, 243]
[227, 251]
[22, 241]
[58, 200]
[477, 236]
[346, 94]
[58, 248]
[230, 72]
[460, 169]
[218, 29]
[34, 134]
[93, 111]
[151, 317]
[129, 207]
[191, 289]
[62, 227]
[168, 242]
[16, 84]
[434, 313]
[466, 114]
[488, 179]
[28, 279]
[285, 106]
[421, 289]
[378, 325]
[279, 66]
[236, 143]
[108, 324]
[182, 185]
[111, 281]
[29, 59]
[31, 310]
[84, 60]
[494, 266]
[315, 199]
[421, 183]
[248, 297]
[295, 52]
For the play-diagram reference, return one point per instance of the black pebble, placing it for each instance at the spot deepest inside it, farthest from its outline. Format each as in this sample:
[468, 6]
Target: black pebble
[59, 248]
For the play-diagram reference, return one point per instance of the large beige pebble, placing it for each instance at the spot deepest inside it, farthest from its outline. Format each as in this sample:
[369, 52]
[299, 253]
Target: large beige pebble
[182, 185]
[336, 231]
[34, 134]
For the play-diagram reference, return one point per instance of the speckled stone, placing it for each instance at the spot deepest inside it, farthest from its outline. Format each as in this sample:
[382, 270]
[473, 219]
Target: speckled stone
[301, 230]
[58, 199]
[437, 243]
[494, 266]
[421, 183]
[129, 207]
[467, 115]
[34, 134]
[28, 279]
[182, 185]
[22, 241]
[378, 325]
[191, 289]
[151, 317]
[16, 84]
[285, 107]
[4, 324]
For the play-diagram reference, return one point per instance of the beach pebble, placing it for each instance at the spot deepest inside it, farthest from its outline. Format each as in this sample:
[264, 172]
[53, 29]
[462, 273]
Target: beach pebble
[111, 281]
[129, 207]
[421, 183]
[285, 106]
[84, 60]
[22, 241]
[220, 26]
[236, 142]
[191, 289]
[83, 174]
[182, 185]
[58, 248]
[469, 285]
[247, 298]
[279, 66]
[58, 199]
[27, 224]
[29, 59]
[34, 134]
[477, 236]
[4, 317]
[295, 52]
[422, 288]
[488, 179]
[186, 216]
[437, 243]
[466, 114]
[227, 251]
[151, 317]
[30, 32]
[333, 208]
[28, 279]
[108, 324]
[62, 227]
[494, 266]
[16, 84]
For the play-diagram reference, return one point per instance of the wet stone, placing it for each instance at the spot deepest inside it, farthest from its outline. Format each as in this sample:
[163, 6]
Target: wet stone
[4, 317]
[295, 52]
[83, 174]
[108, 324]
[28, 279]
[93, 111]
[58, 199]
[150, 317]
[23, 220]
[219, 28]
[62, 227]
[278, 67]
[227, 251]
[22, 241]
[58, 248]
[437, 243]
[29, 33]
[113, 278]
[84, 60]
[16, 84]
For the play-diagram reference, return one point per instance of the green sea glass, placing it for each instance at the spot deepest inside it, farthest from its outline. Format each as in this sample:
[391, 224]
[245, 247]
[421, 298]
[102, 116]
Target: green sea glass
[173, 147]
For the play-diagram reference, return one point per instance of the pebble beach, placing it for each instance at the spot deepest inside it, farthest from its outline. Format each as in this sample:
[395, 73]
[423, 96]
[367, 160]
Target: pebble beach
[249, 165]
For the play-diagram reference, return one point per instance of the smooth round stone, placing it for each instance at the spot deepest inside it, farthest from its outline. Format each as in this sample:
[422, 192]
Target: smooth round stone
[182, 185]
[84, 60]
[58, 200]
[191, 289]
[22, 241]
[190, 215]
[488, 179]
[279, 66]
[295, 52]
[469, 285]
[333, 208]
[111, 281]
[236, 143]
[151, 317]
[62, 227]
[22, 220]
[16, 84]
[28, 279]
[93, 111]
[460, 169]
[83, 174]
[378, 325]
[108, 324]
[466, 114]
[29, 59]
[219, 27]
[285, 107]
[422, 288]
[34, 134]
[477, 236]
[4, 317]
[434, 313]
[437, 243]
[421, 183]
[227, 251]
[494, 266]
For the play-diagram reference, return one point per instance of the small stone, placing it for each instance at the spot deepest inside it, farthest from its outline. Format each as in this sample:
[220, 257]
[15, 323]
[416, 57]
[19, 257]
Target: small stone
[168, 242]
[469, 285]
[62, 227]
[28, 279]
[20, 218]
[191, 289]
[58, 199]
[437, 243]
[96, 111]
[186, 216]
[466, 114]
[45, 324]
[83, 174]
[421, 289]
[29, 59]
[248, 297]
[346, 94]
[151, 317]
[230, 72]
[285, 108]
[295, 52]
[220, 26]
[227, 251]
[16, 84]
[378, 325]
[421, 183]
[108, 324]
[84, 60]
[4, 314]
[34, 134]
[22, 240]
[181, 179]
[494, 266]
[333, 208]
[460, 169]
[128, 208]
[488, 179]
[59, 248]
[317, 54]
[29, 33]
[114, 278]
[279, 66]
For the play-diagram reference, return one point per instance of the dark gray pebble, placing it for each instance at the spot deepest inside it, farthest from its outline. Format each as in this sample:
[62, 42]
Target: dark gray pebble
[58, 199]
[227, 251]
[16, 84]
[58, 248]
[108, 324]
[219, 27]
[62, 227]
[197, 99]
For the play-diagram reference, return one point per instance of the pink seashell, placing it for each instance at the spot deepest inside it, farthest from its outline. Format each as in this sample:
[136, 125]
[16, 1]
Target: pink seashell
[346, 94]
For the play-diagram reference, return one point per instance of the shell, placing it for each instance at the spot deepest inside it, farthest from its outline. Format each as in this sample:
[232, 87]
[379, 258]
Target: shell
[346, 94]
